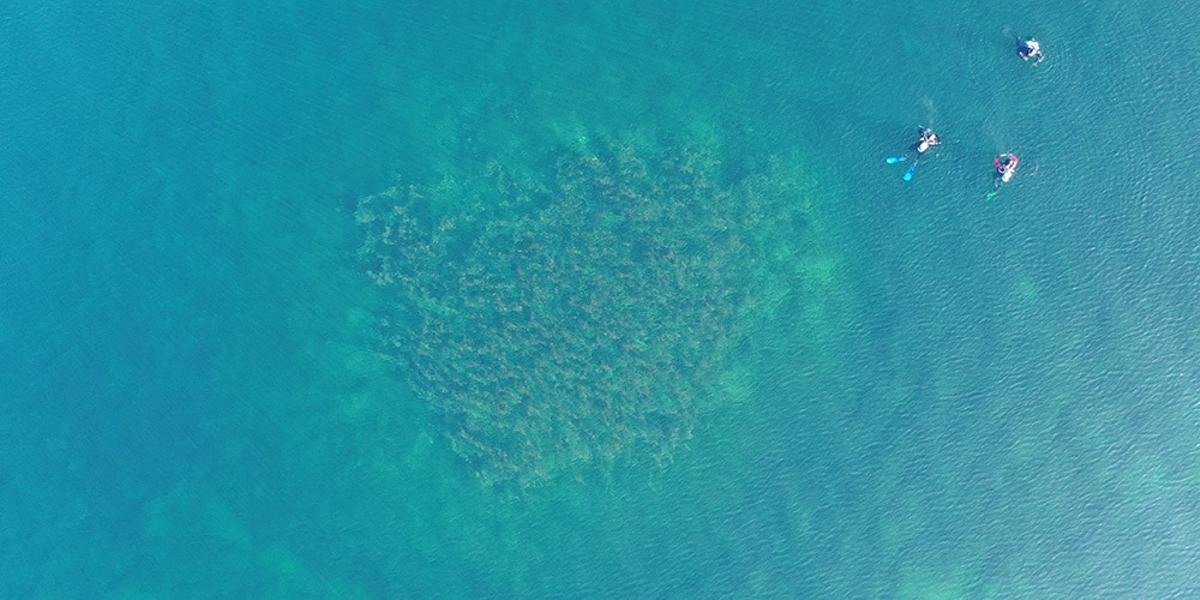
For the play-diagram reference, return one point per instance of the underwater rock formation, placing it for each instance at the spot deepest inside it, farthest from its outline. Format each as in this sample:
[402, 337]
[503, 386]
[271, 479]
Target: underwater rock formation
[573, 318]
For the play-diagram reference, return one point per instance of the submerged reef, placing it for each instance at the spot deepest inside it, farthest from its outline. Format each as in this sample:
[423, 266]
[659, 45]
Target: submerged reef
[576, 316]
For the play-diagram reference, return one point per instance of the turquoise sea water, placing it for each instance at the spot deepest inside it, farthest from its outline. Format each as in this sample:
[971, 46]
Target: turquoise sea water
[946, 398]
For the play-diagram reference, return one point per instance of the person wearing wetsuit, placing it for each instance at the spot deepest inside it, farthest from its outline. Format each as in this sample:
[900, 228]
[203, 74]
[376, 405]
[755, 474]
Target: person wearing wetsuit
[928, 140]
[1031, 49]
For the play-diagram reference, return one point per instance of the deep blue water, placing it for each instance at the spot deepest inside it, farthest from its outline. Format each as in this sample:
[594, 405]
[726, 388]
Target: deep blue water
[955, 398]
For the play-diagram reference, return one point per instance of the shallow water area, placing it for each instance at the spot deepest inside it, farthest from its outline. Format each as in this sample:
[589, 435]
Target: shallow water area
[921, 393]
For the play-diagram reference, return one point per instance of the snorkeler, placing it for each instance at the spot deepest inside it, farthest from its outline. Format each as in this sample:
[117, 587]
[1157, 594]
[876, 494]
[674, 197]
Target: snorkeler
[1006, 167]
[1031, 49]
[927, 140]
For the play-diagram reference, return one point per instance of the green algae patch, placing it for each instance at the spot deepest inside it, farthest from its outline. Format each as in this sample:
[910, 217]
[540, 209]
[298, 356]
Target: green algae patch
[577, 316]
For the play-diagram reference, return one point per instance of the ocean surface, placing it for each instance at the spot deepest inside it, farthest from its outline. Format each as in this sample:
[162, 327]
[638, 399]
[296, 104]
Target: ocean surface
[940, 396]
